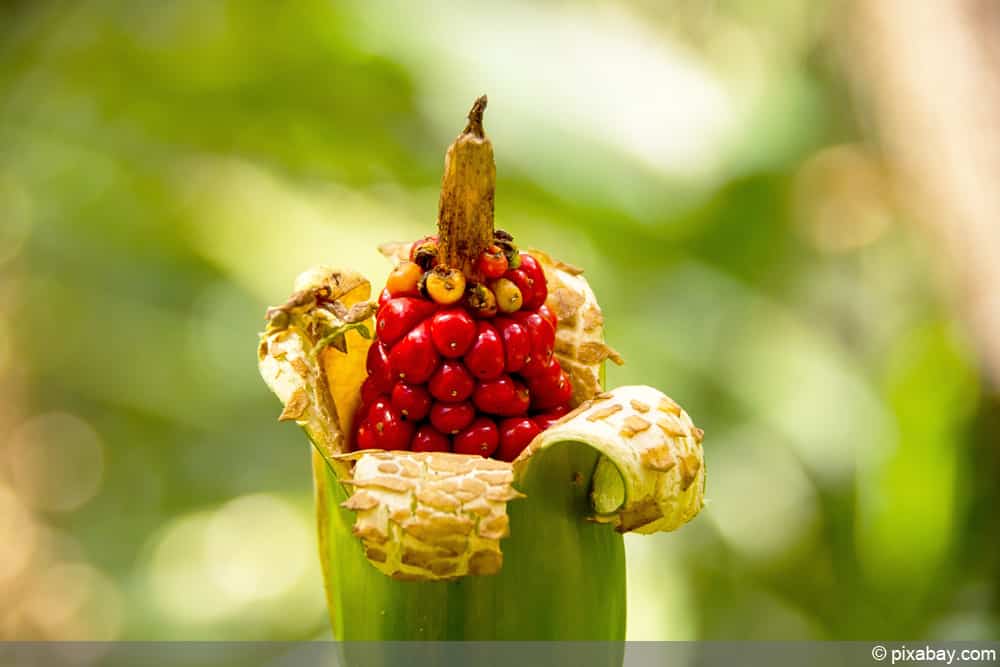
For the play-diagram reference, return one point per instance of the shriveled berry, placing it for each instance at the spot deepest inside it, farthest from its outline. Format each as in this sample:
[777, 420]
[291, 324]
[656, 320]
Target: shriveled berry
[492, 262]
[399, 315]
[480, 301]
[549, 316]
[429, 241]
[429, 439]
[412, 400]
[547, 418]
[414, 358]
[452, 417]
[513, 257]
[481, 437]
[452, 331]
[516, 434]
[501, 236]
[485, 359]
[424, 252]
[506, 243]
[502, 396]
[508, 295]
[377, 365]
[403, 279]
[365, 438]
[551, 388]
[451, 382]
[445, 285]
[390, 430]
[516, 343]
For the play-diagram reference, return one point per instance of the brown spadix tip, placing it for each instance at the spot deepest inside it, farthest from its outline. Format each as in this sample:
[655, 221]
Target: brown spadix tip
[465, 209]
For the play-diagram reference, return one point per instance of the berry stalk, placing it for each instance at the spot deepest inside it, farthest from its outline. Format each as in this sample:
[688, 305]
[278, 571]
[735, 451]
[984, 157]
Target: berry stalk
[465, 209]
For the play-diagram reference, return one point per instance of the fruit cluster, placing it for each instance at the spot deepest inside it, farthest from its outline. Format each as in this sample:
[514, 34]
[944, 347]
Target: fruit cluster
[462, 366]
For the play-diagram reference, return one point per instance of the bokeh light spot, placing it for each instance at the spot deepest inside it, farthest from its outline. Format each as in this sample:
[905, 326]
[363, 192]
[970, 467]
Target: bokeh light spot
[18, 535]
[56, 461]
[762, 500]
[257, 546]
[253, 558]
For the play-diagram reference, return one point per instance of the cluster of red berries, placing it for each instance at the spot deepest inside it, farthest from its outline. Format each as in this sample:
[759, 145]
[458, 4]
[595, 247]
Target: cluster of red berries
[459, 367]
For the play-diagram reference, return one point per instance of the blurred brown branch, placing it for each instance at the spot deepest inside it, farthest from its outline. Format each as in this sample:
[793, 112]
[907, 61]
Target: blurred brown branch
[931, 73]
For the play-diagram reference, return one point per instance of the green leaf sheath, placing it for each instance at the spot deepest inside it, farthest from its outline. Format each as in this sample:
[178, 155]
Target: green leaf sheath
[563, 577]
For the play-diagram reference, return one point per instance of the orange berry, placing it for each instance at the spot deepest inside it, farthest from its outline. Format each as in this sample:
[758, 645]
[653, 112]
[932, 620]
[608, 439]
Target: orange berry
[492, 262]
[403, 279]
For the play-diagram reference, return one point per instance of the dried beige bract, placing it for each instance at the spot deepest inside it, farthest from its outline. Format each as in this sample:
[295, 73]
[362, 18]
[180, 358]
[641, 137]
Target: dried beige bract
[427, 515]
[662, 469]
[580, 345]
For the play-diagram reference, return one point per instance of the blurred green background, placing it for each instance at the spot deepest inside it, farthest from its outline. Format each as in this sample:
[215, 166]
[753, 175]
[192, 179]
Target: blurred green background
[167, 168]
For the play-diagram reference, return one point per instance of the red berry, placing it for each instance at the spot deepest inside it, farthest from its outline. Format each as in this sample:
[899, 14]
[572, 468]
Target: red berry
[452, 331]
[400, 315]
[525, 284]
[452, 417]
[390, 430]
[516, 343]
[492, 262]
[412, 401]
[377, 365]
[532, 268]
[534, 366]
[545, 419]
[539, 291]
[537, 299]
[365, 408]
[384, 296]
[543, 338]
[365, 437]
[515, 435]
[502, 396]
[549, 315]
[429, 439]
[551, 388]
[369, 390]
[414, 358]
[485, 358]
[481, 437]
[451, 382]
